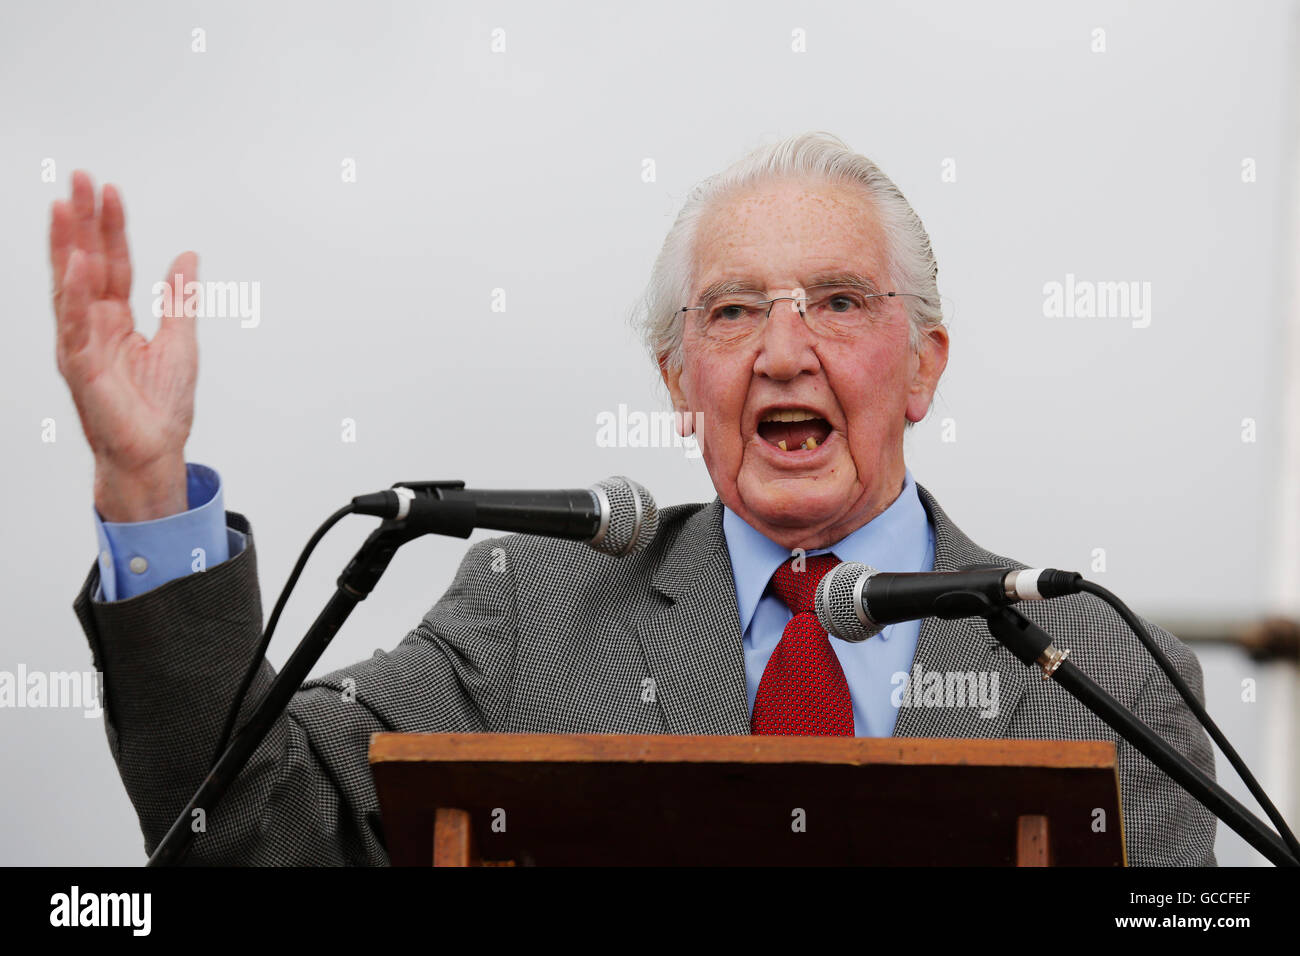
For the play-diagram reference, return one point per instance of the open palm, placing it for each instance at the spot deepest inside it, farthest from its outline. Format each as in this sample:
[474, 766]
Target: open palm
[135, 397]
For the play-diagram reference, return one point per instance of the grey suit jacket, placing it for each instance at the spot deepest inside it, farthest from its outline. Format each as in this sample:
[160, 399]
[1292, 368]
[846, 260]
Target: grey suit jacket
[540, 635]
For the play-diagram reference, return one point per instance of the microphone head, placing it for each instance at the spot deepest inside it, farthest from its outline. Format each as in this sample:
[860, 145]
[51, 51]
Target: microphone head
[839, 603]
[629, 517]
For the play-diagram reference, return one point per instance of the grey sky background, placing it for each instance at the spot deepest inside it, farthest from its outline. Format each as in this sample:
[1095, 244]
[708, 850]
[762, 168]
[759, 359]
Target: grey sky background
[522, 170]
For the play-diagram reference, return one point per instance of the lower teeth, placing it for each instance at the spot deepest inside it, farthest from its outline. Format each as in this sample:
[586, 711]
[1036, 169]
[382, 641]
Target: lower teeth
[808, 444]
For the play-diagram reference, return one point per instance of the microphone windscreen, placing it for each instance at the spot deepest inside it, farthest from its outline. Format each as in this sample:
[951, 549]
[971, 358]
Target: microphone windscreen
[629, 517]
[839, 603]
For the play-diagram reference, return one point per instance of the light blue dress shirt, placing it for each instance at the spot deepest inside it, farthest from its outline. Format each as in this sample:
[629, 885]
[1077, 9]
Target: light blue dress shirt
[900, 538]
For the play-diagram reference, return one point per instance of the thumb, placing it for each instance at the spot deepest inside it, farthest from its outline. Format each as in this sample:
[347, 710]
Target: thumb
[183, 270]
[176, 316]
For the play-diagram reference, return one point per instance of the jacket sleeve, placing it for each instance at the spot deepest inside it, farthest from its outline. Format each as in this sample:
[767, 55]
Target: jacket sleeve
[1175, 829]
[173, 657]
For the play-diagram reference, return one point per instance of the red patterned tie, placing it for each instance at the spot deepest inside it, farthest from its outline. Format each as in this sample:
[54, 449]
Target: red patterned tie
[803, 690]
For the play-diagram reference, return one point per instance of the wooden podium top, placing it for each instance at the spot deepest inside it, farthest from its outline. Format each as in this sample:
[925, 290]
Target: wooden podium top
[652, 748]
[558, 799]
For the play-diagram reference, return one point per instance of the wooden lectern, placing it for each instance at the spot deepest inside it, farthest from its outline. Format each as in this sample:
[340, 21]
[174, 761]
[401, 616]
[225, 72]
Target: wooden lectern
[611, 799]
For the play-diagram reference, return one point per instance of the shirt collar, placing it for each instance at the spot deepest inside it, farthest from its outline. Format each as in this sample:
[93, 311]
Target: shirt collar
[897, 539]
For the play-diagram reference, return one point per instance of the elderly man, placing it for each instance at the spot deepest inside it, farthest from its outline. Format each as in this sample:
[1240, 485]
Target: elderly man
[794, 314]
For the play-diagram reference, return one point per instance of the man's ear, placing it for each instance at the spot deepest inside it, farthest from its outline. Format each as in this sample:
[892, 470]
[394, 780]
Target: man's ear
[672, 376]
[931, 359]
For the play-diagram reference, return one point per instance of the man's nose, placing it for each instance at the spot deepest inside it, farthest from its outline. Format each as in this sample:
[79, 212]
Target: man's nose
[786, 348]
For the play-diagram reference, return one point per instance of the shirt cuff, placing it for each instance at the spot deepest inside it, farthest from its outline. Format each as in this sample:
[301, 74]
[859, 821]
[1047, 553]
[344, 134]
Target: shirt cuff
[138, 556]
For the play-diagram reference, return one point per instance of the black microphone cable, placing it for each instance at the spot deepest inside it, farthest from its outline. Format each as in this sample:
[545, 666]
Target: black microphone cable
[256, 664]
[1180, 685]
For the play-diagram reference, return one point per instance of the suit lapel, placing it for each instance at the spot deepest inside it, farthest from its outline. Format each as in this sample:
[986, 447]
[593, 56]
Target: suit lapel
[963, 646]
[693, 644]
[960, 647]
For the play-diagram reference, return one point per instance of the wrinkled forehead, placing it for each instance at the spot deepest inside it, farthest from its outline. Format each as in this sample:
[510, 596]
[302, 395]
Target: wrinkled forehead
[788, 233]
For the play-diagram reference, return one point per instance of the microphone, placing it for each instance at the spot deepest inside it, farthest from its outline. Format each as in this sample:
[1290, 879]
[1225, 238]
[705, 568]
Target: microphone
[616, 516]
[855, 601]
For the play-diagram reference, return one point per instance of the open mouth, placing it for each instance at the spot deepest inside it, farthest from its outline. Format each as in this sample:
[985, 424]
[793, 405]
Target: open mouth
[793, 429]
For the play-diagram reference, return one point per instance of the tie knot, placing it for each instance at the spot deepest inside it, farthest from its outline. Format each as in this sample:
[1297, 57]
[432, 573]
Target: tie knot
[795, 582]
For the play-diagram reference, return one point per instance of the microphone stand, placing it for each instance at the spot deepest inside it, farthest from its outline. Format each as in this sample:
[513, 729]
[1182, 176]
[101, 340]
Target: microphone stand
[450, 517]
[1033, 646]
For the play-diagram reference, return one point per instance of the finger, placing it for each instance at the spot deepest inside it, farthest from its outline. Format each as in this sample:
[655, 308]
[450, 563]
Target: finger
[184, 269]
[61, 235]
[83, 209]
[73, 305]
[113, 235]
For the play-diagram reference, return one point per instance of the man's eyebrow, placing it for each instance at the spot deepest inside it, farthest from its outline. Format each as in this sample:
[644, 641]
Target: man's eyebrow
[837, 277]
[728, 286]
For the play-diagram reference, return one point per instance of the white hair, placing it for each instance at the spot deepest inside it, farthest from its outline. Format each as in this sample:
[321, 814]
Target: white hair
[910, 260]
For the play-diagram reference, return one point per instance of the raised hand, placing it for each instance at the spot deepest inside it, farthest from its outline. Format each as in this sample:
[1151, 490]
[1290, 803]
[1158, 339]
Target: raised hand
[135, 397]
